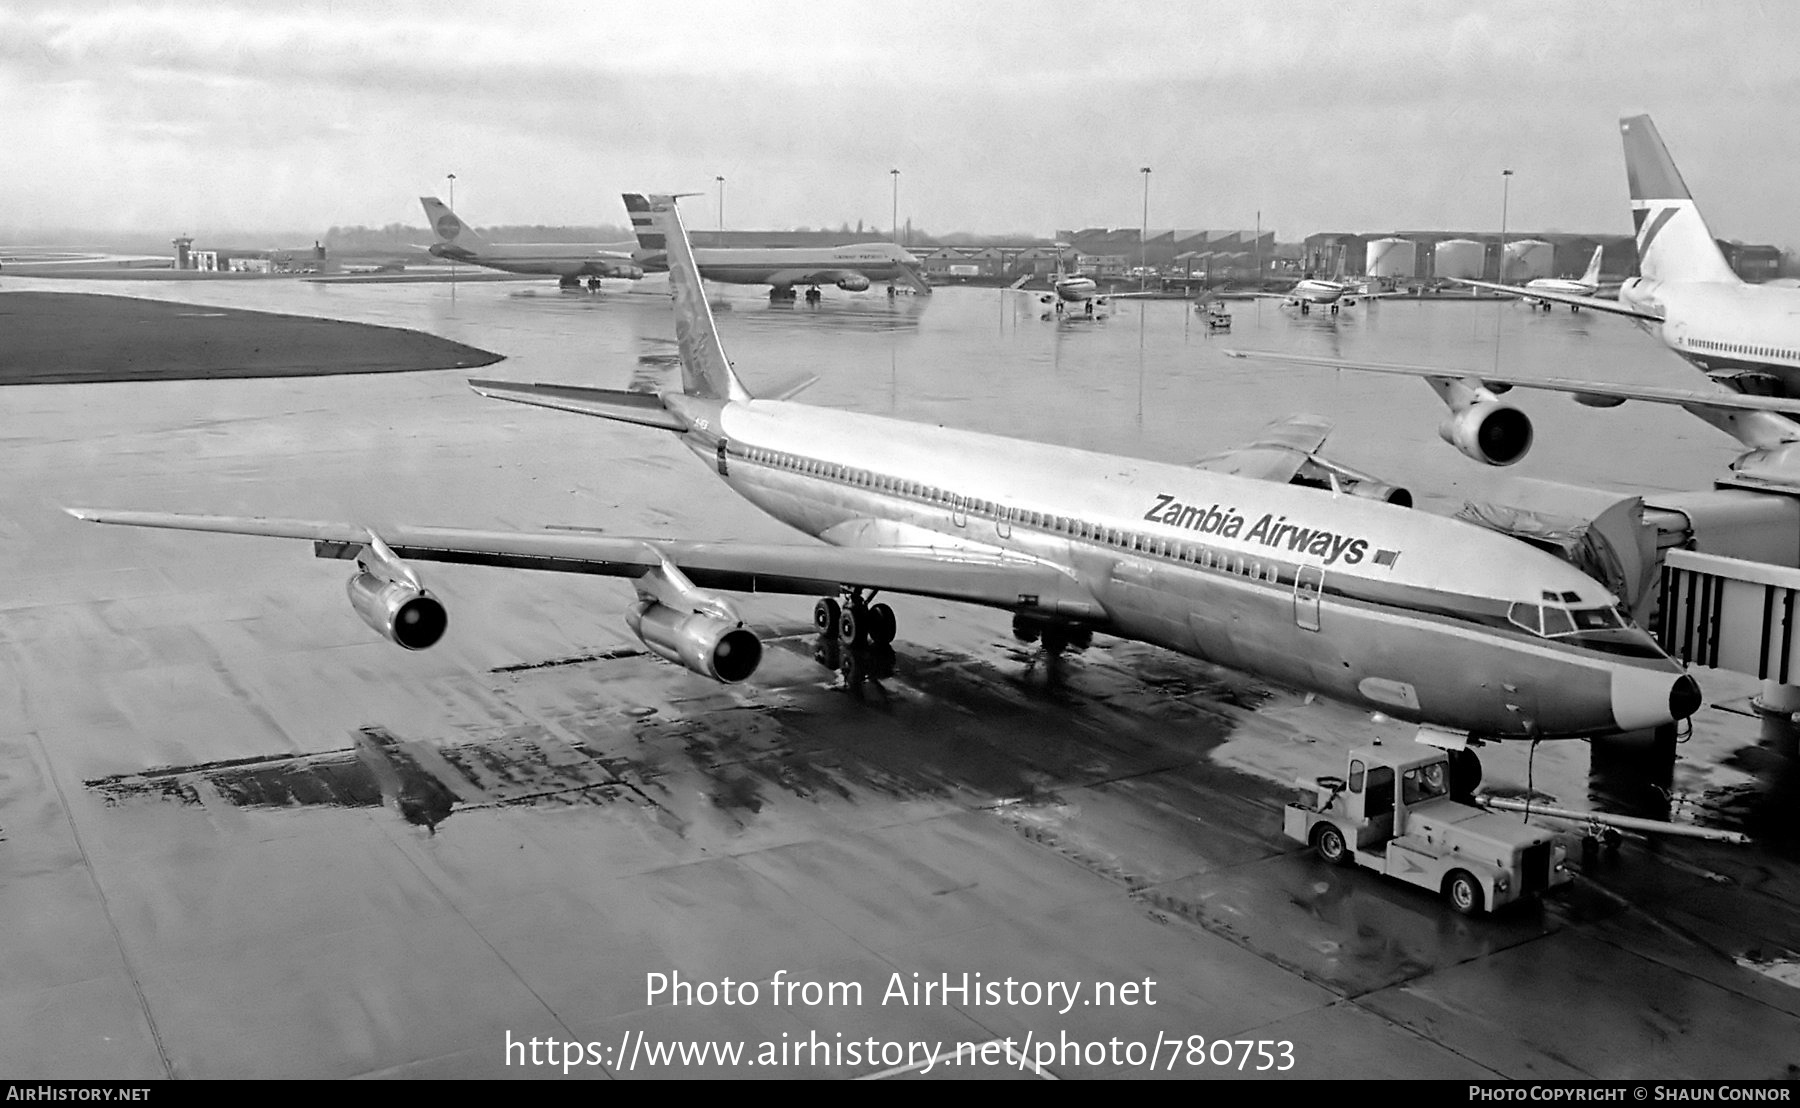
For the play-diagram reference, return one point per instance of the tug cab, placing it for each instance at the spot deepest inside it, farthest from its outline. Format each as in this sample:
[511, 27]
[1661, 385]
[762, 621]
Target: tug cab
[1393, 813]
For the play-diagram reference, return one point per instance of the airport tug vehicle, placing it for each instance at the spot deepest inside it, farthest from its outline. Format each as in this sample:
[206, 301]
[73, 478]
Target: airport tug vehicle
[1393, 813]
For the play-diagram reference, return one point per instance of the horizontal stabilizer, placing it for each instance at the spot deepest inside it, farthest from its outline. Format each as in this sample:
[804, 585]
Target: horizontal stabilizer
[641, 408]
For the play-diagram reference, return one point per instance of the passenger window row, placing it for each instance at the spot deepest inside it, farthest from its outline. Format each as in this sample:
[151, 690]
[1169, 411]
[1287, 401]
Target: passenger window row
[1745, 349]
[1205, 557]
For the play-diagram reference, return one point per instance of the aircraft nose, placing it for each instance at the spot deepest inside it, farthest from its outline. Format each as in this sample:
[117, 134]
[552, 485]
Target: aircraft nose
[1684, 698]
[1644, 698]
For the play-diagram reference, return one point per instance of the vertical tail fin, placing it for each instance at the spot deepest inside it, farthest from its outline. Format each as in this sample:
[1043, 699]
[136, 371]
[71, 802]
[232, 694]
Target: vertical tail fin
[705, 371]
[1592, 276]
[449, 229]
[1673, 241]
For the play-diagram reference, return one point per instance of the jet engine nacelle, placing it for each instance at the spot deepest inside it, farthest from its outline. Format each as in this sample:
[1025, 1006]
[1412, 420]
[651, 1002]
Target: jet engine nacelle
[853, 282]
[629, 272]
[404, 613]
[1397, 495]
[1489, 431]
[1323, 473]
[721, 649]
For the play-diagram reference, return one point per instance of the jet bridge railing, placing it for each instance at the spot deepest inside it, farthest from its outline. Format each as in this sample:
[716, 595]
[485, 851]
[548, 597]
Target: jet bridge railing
[1728, 613]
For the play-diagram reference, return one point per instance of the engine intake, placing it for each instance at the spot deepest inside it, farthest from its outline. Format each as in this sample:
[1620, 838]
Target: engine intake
[707, 645]
[1490, 432]
[406, 615]
[853, 282]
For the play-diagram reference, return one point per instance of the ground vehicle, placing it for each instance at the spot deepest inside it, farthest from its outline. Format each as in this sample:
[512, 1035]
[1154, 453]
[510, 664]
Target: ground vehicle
[1392, 813]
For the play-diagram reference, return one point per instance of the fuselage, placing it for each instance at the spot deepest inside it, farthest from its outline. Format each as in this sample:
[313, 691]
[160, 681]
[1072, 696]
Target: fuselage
[560, 259]
[1562, 284]
[1314, 291]
[781, 266]
[1724, 326]
[1076, 288]
[1421, 617]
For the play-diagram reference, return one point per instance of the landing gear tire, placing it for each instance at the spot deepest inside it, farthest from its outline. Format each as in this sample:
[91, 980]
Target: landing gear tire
[853, 625]
[1465, 773]
[825, 616]
[1330, 844]
[1305, 308]
[1463, 893]
[1334, 309]
[882, 624]
[812, 296]
[593, 284]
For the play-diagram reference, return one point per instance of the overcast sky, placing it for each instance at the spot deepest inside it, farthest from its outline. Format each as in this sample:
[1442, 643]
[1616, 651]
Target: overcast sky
[1339, 115]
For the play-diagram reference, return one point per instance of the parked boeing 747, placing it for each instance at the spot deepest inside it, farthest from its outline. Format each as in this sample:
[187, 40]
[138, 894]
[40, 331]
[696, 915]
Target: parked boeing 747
[1268, 558]
[568, 262]
[1745, 335]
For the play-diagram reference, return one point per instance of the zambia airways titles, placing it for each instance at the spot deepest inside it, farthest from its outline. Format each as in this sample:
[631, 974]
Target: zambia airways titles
[1271, 530]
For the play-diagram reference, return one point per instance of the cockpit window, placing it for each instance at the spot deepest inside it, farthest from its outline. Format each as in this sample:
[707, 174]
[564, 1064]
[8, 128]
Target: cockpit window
[1528, 616]
[1554, 621]
[1557, 621]
[1597, 619]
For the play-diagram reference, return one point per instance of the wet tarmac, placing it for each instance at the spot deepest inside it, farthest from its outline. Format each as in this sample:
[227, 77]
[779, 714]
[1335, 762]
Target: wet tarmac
[240, 835]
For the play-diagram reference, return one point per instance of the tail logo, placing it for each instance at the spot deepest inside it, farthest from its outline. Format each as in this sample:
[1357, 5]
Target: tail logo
[1647, 232]
[448, 225]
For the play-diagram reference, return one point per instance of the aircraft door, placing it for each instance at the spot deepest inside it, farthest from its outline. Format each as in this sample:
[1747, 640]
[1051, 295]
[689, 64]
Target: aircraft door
[959, 511]
[1003, 521]
[1309, 582]
[724, 467]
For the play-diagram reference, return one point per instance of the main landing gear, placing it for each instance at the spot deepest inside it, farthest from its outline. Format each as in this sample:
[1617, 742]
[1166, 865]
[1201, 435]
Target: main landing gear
[812, 295]
[1056, 638]
[855, 620]
[781, 292]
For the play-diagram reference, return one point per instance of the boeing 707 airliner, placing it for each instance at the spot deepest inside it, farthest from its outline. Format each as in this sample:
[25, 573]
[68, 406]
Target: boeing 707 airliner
[1268, 558]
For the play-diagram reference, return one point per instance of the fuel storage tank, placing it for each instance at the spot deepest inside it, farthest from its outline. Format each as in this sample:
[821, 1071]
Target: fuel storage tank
[1459, 258]
[1528, 259]
[1392, 257]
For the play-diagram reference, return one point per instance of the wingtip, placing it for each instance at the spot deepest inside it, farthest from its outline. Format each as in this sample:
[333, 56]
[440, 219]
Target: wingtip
[84, 514]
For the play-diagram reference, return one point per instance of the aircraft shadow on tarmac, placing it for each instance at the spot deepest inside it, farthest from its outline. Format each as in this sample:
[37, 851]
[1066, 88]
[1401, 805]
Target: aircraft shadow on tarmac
[894, 725]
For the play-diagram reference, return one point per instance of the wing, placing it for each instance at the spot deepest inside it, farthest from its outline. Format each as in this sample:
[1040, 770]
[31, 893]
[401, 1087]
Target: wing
[1599, 304]
[1278, 452]
[1014, 583]
[1594, 393]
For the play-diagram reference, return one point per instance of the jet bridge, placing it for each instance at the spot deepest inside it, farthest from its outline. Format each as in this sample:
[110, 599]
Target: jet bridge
[1729, 613]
